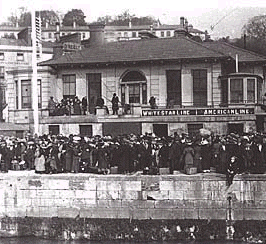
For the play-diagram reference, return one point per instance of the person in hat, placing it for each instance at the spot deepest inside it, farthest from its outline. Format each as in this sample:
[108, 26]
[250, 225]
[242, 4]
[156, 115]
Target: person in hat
[115, 106]
[39, 161]
[232, 170]
[84, 105]
[188, 155]
[51, 106]
[76, 155]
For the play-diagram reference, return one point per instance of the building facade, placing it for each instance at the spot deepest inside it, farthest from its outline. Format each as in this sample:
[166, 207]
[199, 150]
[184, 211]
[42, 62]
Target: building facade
[16, 75]
[195, 86]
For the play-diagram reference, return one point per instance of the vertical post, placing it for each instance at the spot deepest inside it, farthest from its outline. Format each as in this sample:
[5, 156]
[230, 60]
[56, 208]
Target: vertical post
[34, 85]
[236, 63]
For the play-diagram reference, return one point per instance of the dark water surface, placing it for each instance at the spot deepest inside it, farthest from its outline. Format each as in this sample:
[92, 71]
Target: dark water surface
[35, 240]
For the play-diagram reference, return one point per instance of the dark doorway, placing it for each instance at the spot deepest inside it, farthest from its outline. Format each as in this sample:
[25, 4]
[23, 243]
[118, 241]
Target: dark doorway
[173, 87]
[85, 130]
[237, 128]
[194, 129]
[54, 129]
[116, 129]
[160, 130]
[94, 89]
[260, 123]
[19, 133]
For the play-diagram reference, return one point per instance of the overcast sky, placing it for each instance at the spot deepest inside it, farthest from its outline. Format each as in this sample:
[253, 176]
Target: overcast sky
[201, 14]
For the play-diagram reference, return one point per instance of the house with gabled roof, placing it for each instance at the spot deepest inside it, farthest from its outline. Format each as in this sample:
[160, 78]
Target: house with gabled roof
[213, 85]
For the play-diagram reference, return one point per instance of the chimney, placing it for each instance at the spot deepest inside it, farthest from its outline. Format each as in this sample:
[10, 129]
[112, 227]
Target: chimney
[57, 32]
[46, 24]
[130, 24]
[190, 27]
[74, 24]
[151, 28]
[182, 21]
[245, 40]
[96, 34]
[207, 36]
[186, 23]
[181, 29]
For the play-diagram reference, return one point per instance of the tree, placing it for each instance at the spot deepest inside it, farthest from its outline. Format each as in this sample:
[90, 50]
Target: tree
[255, 35]
[21, 16]
[49, 16]
[256, 27]
[124, 18]
[74, 15]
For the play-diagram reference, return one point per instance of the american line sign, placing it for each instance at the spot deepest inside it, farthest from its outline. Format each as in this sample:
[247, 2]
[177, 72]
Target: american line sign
[209, 111]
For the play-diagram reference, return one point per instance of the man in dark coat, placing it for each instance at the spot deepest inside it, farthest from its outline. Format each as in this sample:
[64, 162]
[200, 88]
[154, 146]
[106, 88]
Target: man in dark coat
[84, 104]
[175, 152]
[115, 101]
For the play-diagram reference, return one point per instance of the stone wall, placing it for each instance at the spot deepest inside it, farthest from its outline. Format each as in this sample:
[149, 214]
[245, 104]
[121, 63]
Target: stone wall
[25, 195]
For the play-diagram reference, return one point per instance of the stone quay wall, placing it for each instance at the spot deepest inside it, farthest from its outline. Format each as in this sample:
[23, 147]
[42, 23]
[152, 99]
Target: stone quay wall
[25, 195]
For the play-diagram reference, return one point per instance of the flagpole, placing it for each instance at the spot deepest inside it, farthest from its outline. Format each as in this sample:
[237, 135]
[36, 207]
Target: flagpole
[34, 86]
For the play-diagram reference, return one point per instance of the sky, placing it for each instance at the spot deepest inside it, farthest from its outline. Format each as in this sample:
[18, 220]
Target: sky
[201, 14]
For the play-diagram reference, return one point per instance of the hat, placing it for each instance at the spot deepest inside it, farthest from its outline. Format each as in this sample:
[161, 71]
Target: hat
[76, 138]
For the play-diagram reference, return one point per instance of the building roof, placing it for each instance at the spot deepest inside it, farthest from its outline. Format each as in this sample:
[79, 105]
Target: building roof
[13, 42]
[160, 49]
[231, 50]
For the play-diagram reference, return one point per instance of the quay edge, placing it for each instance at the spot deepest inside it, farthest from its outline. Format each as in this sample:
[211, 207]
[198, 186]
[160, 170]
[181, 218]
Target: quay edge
[132, 207]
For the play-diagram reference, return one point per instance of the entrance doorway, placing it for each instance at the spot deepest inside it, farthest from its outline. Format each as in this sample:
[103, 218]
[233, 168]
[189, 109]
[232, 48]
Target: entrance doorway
[54, 129]
[85, 130]
[160, 130]
[237, 128]
[94, 89]
[260, 123]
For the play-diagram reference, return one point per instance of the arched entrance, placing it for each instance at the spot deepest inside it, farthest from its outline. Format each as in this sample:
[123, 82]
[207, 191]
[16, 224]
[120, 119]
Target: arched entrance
[133, 88]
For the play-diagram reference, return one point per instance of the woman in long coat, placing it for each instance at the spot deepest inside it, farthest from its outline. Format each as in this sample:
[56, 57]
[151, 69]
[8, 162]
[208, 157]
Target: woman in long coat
[68, 157]
[39, 161]
[188, 156]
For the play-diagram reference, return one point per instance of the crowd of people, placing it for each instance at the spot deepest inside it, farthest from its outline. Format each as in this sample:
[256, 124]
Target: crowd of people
[68, 106]
[230, 154]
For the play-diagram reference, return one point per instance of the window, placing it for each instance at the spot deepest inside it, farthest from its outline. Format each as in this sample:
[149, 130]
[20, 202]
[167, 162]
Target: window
[2, 72]
[134, 93]
[83, 35]
[2, 56]
[20, 56]
[199, 87]
[26, 93]
[250, 90]
[134, 88]
[168, 33]
[236, 90]
[49, 35]
[162, 33]
[69, 85]
[244, 89]
[174, 96]
[16, 85]
[134, 34]
[125, 34]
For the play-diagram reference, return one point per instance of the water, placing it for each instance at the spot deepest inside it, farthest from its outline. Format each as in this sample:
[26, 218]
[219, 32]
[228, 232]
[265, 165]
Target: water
[35, 240]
